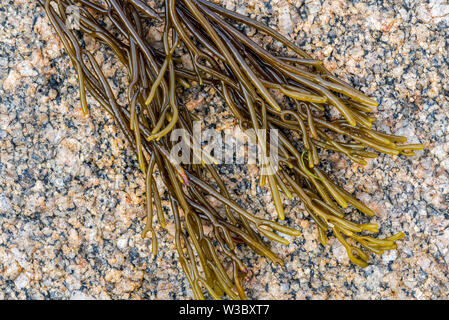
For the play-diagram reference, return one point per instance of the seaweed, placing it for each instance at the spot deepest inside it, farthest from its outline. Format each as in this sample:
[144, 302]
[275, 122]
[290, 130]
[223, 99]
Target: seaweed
[250, 80]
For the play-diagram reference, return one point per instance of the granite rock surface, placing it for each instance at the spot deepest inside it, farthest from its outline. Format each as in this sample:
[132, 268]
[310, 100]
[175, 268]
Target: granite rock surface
[72, 199]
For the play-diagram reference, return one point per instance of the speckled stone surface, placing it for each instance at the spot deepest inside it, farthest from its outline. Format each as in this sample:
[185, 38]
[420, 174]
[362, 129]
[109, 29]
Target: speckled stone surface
[71, 197]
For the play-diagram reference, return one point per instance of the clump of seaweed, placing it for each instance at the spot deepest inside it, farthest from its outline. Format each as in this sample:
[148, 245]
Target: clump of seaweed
[248, 77]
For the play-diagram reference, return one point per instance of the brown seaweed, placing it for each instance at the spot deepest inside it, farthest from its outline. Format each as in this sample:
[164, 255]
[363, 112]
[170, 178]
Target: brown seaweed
[246, 76]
